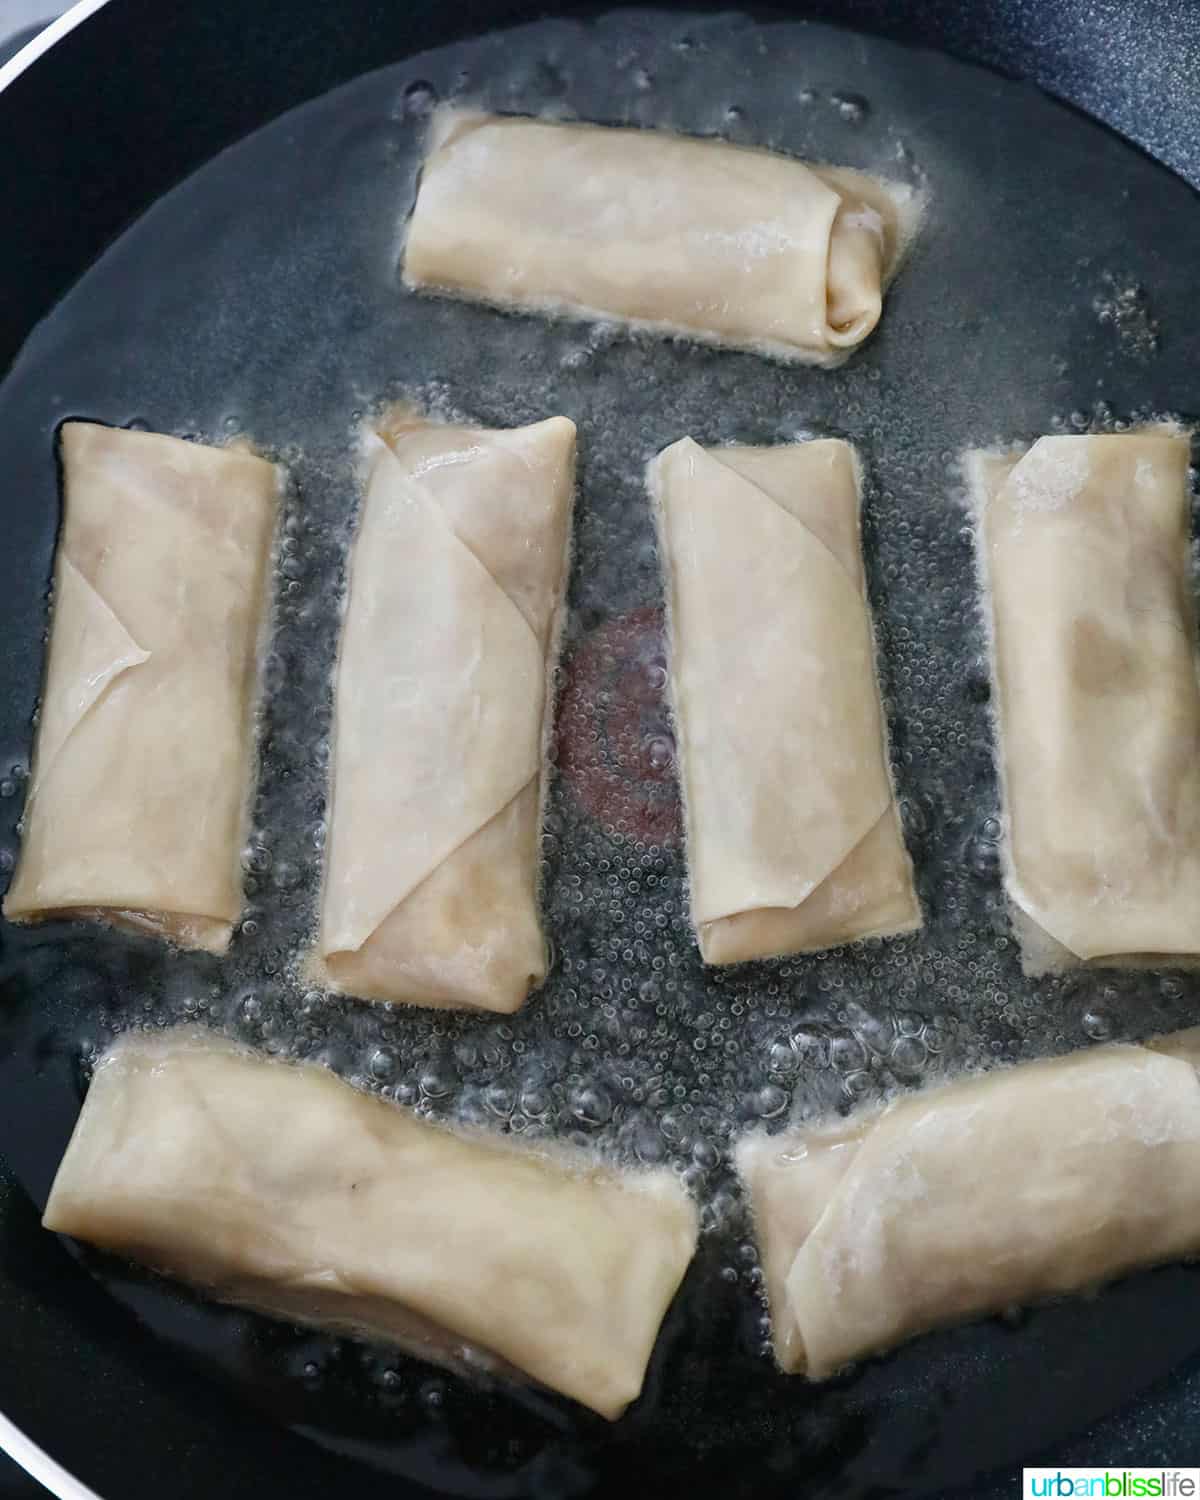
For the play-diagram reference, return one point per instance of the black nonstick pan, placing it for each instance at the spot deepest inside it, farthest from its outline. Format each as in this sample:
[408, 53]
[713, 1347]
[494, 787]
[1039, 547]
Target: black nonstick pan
[203, 206]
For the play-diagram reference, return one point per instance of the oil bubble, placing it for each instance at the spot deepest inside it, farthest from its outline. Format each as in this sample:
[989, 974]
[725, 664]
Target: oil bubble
[382, 1064]
[591, 1105]
[1096, 1024]
[437, 1080]
[256, 859]
[983, 850]
[782, 1058]
[852, 108]
[846, 1054]
[705, 1154]
[908, 1056]
[769, 1102]
[499, 1100]
[419, 100]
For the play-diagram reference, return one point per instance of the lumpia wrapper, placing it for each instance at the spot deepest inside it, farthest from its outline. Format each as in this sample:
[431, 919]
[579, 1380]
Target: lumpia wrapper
[1084, 543]
[451, 631]
[794, 839]
[145, 745]
[665, 232]
[975, 1197]
[279, 1187]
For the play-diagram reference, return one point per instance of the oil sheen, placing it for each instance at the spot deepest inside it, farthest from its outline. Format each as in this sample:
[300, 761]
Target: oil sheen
[261, 298]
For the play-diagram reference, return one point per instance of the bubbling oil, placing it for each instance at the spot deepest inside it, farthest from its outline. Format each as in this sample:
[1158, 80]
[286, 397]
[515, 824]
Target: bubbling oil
[283, 319]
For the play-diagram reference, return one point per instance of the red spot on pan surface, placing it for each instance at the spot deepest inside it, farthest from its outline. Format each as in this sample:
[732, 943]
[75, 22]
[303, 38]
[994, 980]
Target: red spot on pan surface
[616, 749]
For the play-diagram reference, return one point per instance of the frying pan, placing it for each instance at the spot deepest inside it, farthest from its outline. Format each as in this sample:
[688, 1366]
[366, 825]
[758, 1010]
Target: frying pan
[124, 101]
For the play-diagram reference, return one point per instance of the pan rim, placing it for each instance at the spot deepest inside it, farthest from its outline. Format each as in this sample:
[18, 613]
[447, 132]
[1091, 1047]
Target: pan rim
[22, 1449]
[45, 39]
[13, 1441]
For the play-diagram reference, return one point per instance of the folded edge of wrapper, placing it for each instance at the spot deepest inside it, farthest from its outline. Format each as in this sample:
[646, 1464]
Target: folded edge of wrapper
[504, 750]
[986, 473]
[250, 1178]
[794, 1180]
[909, 205]
[767, 570]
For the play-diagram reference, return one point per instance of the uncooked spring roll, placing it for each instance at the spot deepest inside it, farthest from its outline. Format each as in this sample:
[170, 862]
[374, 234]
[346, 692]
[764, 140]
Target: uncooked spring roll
[442, 707]
[733, 246]
[976, 1197]
[145, 745]
[1084, 547]
[279, 1187]
[793, 835]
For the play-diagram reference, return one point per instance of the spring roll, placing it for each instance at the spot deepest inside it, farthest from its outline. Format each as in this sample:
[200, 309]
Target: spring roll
[793, 835]
[145, 745]
[1084, 549]
[976, 1197]
[279, 1187]
[671, 234]
[442, 709]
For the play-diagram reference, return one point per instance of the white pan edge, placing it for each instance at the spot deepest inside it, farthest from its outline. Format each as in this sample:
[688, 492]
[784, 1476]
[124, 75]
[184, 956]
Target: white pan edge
[21, 1449]
[37, 1462]
[46, 39]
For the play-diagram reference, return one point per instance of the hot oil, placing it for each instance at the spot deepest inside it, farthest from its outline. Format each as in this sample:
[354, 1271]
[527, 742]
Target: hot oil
[262, 298]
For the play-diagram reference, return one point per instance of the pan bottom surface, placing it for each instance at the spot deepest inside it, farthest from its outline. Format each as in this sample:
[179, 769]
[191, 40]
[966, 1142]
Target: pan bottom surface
[1051, 290]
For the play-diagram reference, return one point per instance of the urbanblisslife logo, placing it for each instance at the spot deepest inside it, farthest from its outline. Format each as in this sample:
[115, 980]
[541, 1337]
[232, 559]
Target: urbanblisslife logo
[1114, 1484]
